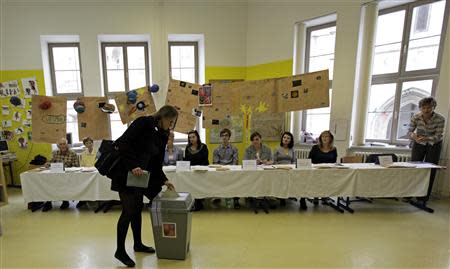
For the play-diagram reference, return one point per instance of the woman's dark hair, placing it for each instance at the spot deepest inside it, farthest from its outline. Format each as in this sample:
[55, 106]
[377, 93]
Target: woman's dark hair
[291, 143]
[254, 134]
[331, 138]
[166, 112]
[199, 142]
[428, 101]
[225, 131]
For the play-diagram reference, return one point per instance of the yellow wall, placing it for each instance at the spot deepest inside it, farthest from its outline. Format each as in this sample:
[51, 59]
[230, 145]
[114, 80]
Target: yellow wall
[261, 71]
[24, 156]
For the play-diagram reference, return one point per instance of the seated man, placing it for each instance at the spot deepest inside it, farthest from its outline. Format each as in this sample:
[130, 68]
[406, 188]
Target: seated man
[69, 158]
[226, 154]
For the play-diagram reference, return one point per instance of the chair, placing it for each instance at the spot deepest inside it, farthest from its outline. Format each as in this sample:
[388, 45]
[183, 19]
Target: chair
[373, 158]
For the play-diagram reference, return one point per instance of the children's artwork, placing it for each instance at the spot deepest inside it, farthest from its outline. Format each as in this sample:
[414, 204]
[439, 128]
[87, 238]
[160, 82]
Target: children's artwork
[5, 110]
[257, 96]
[269, 125]
[8, 89]
[205, 95]
[22, 141]
[7, 135]
[302, 92]
[48, 118]
[17, 116]
[6, 123]
[234, 124]
[29, 87]
[93, 122]
[135, 104]
[185, 122]
[28, 114]
[226, 104]
[182, 95]
[26, 123]
[19, 130]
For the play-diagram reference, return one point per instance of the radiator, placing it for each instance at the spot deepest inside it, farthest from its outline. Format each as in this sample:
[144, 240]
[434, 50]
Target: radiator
[401, 157]
[301, 153]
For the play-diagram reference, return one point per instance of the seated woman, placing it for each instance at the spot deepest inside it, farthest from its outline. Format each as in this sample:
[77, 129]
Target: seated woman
[257, 151]
[197, 153]
[285, 155]
[263, 155]
[173, 153]
[324, 152]
[87, 158]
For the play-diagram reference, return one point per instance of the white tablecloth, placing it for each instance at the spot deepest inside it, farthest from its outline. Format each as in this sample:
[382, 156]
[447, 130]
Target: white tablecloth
[365, 180]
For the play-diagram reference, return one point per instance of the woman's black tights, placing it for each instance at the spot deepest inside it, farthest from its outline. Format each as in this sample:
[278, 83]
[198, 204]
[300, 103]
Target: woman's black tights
[132, 204]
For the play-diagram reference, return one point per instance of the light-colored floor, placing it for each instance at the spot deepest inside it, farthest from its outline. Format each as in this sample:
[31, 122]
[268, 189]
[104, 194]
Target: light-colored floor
[386, 234]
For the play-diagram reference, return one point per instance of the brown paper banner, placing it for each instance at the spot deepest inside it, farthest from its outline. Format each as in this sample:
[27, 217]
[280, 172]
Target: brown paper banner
[49, 125]
[300, 92]
[182, 95]
[185, 123]
[269, 125]
[130, 112]
[93, 122]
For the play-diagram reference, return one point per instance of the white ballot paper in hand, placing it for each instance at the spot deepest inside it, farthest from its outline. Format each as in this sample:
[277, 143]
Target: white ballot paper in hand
[169, 194]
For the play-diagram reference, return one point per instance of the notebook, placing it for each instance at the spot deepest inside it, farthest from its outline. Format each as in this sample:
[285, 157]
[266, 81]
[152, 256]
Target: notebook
[138, 181]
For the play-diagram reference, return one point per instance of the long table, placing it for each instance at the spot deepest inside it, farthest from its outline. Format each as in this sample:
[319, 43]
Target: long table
[366, 180]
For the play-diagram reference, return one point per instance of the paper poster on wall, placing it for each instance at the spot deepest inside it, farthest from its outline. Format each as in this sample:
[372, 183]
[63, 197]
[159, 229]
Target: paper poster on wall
[135, 104]
[300, 92]
[48, 118]
[269, 125]
[234, 124]
[205, 95]
[26, 123]
[22, 141]
[30, 87]
[182, 95]
[19, 130]
[93, 122]
[17, 116]
[9, 88]
[185, 123]
[5, 110]
[6, 123]
[8, 135]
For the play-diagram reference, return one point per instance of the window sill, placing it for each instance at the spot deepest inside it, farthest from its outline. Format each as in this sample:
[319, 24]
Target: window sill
[380, 149]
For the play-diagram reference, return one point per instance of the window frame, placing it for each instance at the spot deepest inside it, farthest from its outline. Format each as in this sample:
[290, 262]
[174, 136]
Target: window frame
[402, 75]
[124, 46]
[111, 95]
[52, 68]
[309, 30]
[187, 44]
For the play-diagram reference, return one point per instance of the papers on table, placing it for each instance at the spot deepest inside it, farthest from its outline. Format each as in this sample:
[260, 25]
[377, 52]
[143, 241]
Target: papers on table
[330, 166]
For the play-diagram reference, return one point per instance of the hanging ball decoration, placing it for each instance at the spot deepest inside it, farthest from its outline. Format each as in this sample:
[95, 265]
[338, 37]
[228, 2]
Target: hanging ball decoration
[141, 105]
[108, 108]
[154, 88]
[132, 97]
[79, 106]
[45, 105]
[15, 101]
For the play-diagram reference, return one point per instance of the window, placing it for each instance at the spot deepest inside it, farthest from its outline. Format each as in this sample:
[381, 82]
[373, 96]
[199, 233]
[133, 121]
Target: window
[65, 69]
[183, 61]
[408, 49]
[320, 43]
[125, 68]
[183, 65]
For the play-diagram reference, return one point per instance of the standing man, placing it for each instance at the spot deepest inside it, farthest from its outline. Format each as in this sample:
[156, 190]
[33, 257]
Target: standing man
[426, 130]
